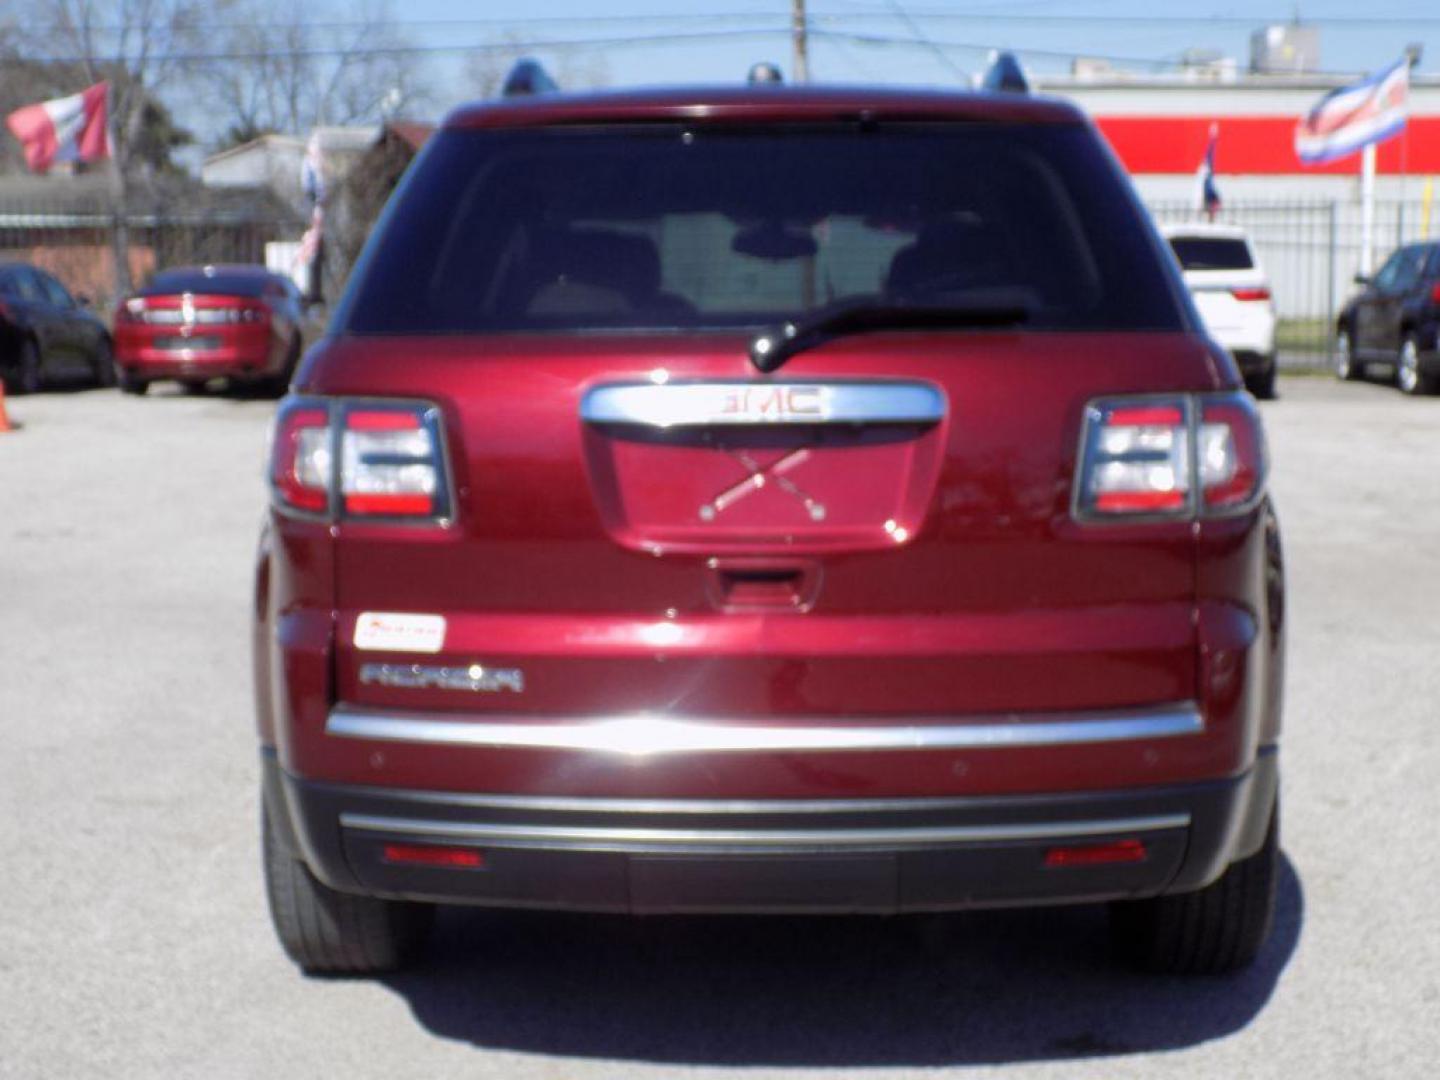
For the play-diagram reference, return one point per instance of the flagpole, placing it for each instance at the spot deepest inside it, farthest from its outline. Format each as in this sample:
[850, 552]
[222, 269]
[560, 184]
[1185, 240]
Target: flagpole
[120, 235]
[1367, 207]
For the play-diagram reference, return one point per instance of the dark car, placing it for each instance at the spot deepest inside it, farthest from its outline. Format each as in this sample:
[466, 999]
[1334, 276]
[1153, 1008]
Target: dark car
[768, 500]
[198, 323]
[1394, 322]
[45, 331]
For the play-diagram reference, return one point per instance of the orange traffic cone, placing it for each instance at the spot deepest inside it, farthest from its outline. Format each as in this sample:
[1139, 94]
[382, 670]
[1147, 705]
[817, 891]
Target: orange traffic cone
[4, 420]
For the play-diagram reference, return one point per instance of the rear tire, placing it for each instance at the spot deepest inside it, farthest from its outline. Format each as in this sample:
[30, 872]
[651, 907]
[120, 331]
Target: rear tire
[129, 382]
[1347, 368]
[104, 365]
[24, 377]
[324, 930]
[1263, 384]
[1211, 931]
[278, 385]
[1409, 377]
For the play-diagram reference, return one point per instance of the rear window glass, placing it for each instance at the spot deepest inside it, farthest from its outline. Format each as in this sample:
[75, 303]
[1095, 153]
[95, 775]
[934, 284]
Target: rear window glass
[199, 282]
[660, 227]
[1211, 253]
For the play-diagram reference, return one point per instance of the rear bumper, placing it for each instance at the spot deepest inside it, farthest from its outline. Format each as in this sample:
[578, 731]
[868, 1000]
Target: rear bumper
[1251, 362]
[775, 855]
[249, 353]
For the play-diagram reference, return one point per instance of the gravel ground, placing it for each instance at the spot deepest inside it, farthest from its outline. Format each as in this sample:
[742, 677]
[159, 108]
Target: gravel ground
[135, 943]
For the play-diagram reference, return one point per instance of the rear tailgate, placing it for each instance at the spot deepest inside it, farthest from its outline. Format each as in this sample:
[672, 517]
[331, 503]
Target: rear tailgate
[914, 571]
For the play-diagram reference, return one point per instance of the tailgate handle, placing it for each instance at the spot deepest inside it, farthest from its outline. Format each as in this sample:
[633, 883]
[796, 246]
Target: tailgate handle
[718, 404]
[756, 587]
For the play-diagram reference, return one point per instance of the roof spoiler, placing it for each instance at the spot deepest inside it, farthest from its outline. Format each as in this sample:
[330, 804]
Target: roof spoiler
[1005, 75]
[527, 78]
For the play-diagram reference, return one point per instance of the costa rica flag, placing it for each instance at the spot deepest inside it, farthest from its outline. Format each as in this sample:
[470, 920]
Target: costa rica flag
[73, 128]
[1352, 117]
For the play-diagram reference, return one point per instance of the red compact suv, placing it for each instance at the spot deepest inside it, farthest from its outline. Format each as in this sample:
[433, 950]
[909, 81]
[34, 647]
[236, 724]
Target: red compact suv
[768, 500]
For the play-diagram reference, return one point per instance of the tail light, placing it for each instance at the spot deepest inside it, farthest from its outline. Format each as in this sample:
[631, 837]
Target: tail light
[139, 310]
[359, 460]
[130, 311]
[1251, 293]
[301, 468]
[244, 313]
[390, 461]
[1166, 458]
[1434, 293]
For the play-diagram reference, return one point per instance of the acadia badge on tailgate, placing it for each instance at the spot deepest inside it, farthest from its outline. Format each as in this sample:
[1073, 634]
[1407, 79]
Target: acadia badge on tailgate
[476, 678]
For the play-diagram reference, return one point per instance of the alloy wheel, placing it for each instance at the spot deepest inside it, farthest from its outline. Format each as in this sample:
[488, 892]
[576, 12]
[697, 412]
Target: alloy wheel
[1407, 372]
[1344, 364]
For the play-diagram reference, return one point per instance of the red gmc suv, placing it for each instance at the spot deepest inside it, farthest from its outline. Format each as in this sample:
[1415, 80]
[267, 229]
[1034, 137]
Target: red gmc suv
[768, 500]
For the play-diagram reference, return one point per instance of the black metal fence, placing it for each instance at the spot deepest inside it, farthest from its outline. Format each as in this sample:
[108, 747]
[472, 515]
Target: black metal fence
[1311, 252]
[1310, 249]
[70, 229]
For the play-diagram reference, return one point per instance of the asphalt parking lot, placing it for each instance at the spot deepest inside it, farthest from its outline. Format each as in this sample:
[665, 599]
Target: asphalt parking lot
[133, 934]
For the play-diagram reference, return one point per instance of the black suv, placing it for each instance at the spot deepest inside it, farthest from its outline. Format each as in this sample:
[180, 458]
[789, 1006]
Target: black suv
[1394, 321]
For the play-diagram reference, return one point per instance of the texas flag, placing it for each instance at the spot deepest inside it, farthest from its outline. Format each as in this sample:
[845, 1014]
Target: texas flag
[71, 128]
[1352, 117]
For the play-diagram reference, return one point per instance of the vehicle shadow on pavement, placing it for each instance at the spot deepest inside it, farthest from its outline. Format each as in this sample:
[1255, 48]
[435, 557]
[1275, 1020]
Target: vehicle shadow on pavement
[975, 988]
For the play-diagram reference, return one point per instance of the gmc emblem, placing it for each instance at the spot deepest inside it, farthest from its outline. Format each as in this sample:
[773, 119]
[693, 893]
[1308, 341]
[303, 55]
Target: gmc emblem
[772, 403]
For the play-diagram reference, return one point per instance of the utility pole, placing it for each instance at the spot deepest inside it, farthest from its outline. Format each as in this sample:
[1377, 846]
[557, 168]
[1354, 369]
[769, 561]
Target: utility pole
[800, 67]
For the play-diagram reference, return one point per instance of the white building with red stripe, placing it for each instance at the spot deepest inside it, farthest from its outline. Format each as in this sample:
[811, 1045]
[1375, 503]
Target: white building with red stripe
[1305, 221]
[1159, 127]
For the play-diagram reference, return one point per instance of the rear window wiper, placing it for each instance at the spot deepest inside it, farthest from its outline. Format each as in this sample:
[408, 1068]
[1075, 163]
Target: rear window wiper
[772, 347]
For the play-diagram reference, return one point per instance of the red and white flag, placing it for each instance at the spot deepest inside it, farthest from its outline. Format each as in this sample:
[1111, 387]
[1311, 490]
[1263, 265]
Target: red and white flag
[1352, 117]
[73, 128]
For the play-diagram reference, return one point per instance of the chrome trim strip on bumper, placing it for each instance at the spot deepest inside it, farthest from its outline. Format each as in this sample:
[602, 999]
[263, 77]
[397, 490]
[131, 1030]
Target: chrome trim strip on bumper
[605, 838]
[639, 736]
[700, 404]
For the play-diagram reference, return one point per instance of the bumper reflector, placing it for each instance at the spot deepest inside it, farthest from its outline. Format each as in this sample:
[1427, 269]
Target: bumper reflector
[454, 858]
[1121, 851]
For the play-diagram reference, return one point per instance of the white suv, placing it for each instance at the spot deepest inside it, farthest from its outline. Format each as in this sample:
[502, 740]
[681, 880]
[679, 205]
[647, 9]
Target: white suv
[1232, 294]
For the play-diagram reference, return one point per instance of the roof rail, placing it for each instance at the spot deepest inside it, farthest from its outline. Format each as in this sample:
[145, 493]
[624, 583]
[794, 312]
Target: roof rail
[527, 78]
[1005, 75]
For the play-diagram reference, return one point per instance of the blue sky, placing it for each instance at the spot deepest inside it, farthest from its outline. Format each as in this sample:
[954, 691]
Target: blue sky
[729, 36]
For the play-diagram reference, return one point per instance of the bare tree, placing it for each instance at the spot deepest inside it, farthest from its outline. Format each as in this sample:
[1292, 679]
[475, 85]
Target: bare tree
[138, 46]
[289, 74]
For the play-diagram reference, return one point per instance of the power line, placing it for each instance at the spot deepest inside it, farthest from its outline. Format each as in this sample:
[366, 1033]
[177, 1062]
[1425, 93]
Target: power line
[914, 28]
[323, 52]
[906, 15]
[627, 41]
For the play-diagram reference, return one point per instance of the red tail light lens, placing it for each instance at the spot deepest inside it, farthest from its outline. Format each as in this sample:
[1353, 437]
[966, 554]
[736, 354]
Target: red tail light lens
[1230, 453]
[371, 459]
[1168, 458]
[300, 456]
[1251, 294]
[1136, 459]
[390, 462]
[1435, 293]
[130, 311]
[239, 313]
